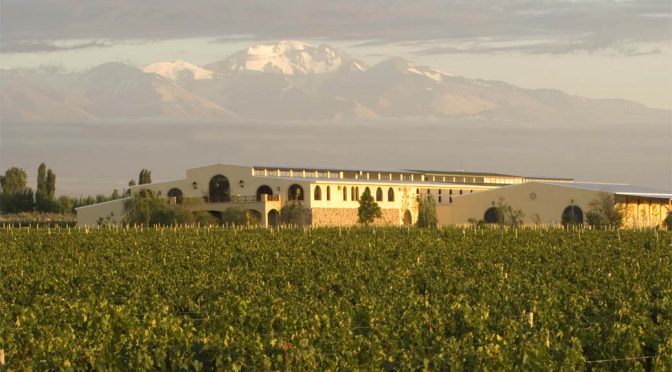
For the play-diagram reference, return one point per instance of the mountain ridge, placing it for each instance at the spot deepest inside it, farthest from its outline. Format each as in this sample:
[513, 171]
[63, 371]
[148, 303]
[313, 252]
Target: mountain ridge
[293, 80]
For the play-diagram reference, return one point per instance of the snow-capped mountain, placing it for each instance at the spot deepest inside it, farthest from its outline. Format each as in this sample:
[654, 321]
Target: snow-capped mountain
[117, 90]
[288, 57]
[179, 71]
[295, 81]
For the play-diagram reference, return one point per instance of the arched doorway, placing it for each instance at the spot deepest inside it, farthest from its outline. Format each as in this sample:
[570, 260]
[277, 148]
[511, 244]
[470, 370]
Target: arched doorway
[175, 196]
[491, 215]
[219, 189]
[264, 190]
[273, 217]
[295, 192]
[572, 215]
[408, 218]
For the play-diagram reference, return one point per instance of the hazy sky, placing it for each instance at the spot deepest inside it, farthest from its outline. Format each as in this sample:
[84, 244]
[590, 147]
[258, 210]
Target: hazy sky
[592, 48]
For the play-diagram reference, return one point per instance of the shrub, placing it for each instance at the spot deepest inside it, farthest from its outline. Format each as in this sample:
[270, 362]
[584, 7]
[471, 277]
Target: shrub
[427, 212]
[368, 209]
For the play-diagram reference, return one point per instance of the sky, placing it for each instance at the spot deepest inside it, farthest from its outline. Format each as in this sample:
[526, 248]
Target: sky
[600, 48]
[592, 48]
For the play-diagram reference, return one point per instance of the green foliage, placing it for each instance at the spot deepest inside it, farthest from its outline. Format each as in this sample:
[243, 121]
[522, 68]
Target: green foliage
[67, 204]
[14, 181]
[51, 184]
[42, 179]
[115, 195]
[668, 221]
[16, 202]
[603, 212]
[238, 217]
[145, 177]
[335, 299]
[507, 216]
[427, 212]
[203, 218]
[45, 201]
[294, 213]
[368, 209]
[148, 209]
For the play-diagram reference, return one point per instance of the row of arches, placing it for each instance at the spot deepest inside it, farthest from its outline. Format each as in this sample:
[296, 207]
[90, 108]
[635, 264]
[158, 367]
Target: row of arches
[379, 197]
[571, 215]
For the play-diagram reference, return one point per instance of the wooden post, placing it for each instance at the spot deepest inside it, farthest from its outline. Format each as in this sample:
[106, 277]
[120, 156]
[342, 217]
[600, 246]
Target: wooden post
[2, 357]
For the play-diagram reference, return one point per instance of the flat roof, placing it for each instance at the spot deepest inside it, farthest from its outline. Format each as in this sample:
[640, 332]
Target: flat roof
[404, 171]
[618, 189]
[377, 181]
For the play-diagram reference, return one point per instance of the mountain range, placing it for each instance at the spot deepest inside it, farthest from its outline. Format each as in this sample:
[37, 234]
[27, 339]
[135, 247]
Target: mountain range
[292, 81]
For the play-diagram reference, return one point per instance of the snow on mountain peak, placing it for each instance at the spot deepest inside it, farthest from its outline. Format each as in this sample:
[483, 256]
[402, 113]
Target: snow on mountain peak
[178, 69]
[404, 66]
[288, 57]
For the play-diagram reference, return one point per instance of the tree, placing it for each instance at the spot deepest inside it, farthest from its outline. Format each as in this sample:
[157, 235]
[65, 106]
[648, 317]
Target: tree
[368, 209]
[51, 184]
[293, 213]
[668, 221]
[146, 208]
[603, 212]
[131, 183]
[15, 197]
[427, 212]
[14, 181]
[507, 216]
[115, 195]
[41, 179]
[145, 177]
[66, 204]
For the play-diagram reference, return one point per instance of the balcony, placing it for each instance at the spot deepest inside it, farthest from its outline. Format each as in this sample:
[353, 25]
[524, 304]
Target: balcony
[241, 198]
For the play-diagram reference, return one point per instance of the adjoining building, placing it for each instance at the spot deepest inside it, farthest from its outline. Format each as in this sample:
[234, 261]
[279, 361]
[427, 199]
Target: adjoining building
[332, 195]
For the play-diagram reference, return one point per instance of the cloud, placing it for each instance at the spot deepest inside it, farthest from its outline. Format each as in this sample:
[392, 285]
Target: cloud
[39, 46]
[589, 22]
[540, 47]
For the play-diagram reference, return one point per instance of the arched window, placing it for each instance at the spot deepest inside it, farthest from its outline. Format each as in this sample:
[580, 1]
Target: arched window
[428, 192]
[295, 192]
[357, 192]
[450, 192]
[328, 193]
[460, 192]
[353, 193]
[491, 215]
[264, 190]
[345, 193]
[379, 194]
[317, 194]
[219, 189]
[390, 195]
[175, 196]
[367, 191]
[572, 215]
[450, 199]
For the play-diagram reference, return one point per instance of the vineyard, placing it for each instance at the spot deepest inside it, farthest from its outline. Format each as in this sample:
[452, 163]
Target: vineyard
[304, 299]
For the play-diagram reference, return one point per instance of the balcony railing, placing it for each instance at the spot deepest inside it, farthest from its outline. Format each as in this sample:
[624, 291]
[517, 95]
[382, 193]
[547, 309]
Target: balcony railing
[240, 198]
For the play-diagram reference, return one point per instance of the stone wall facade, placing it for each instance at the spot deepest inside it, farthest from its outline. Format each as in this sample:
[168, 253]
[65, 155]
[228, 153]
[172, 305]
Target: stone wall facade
[348, 217]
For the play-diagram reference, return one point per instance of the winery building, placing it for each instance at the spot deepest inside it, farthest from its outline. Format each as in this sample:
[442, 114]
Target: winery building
[332, 195]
